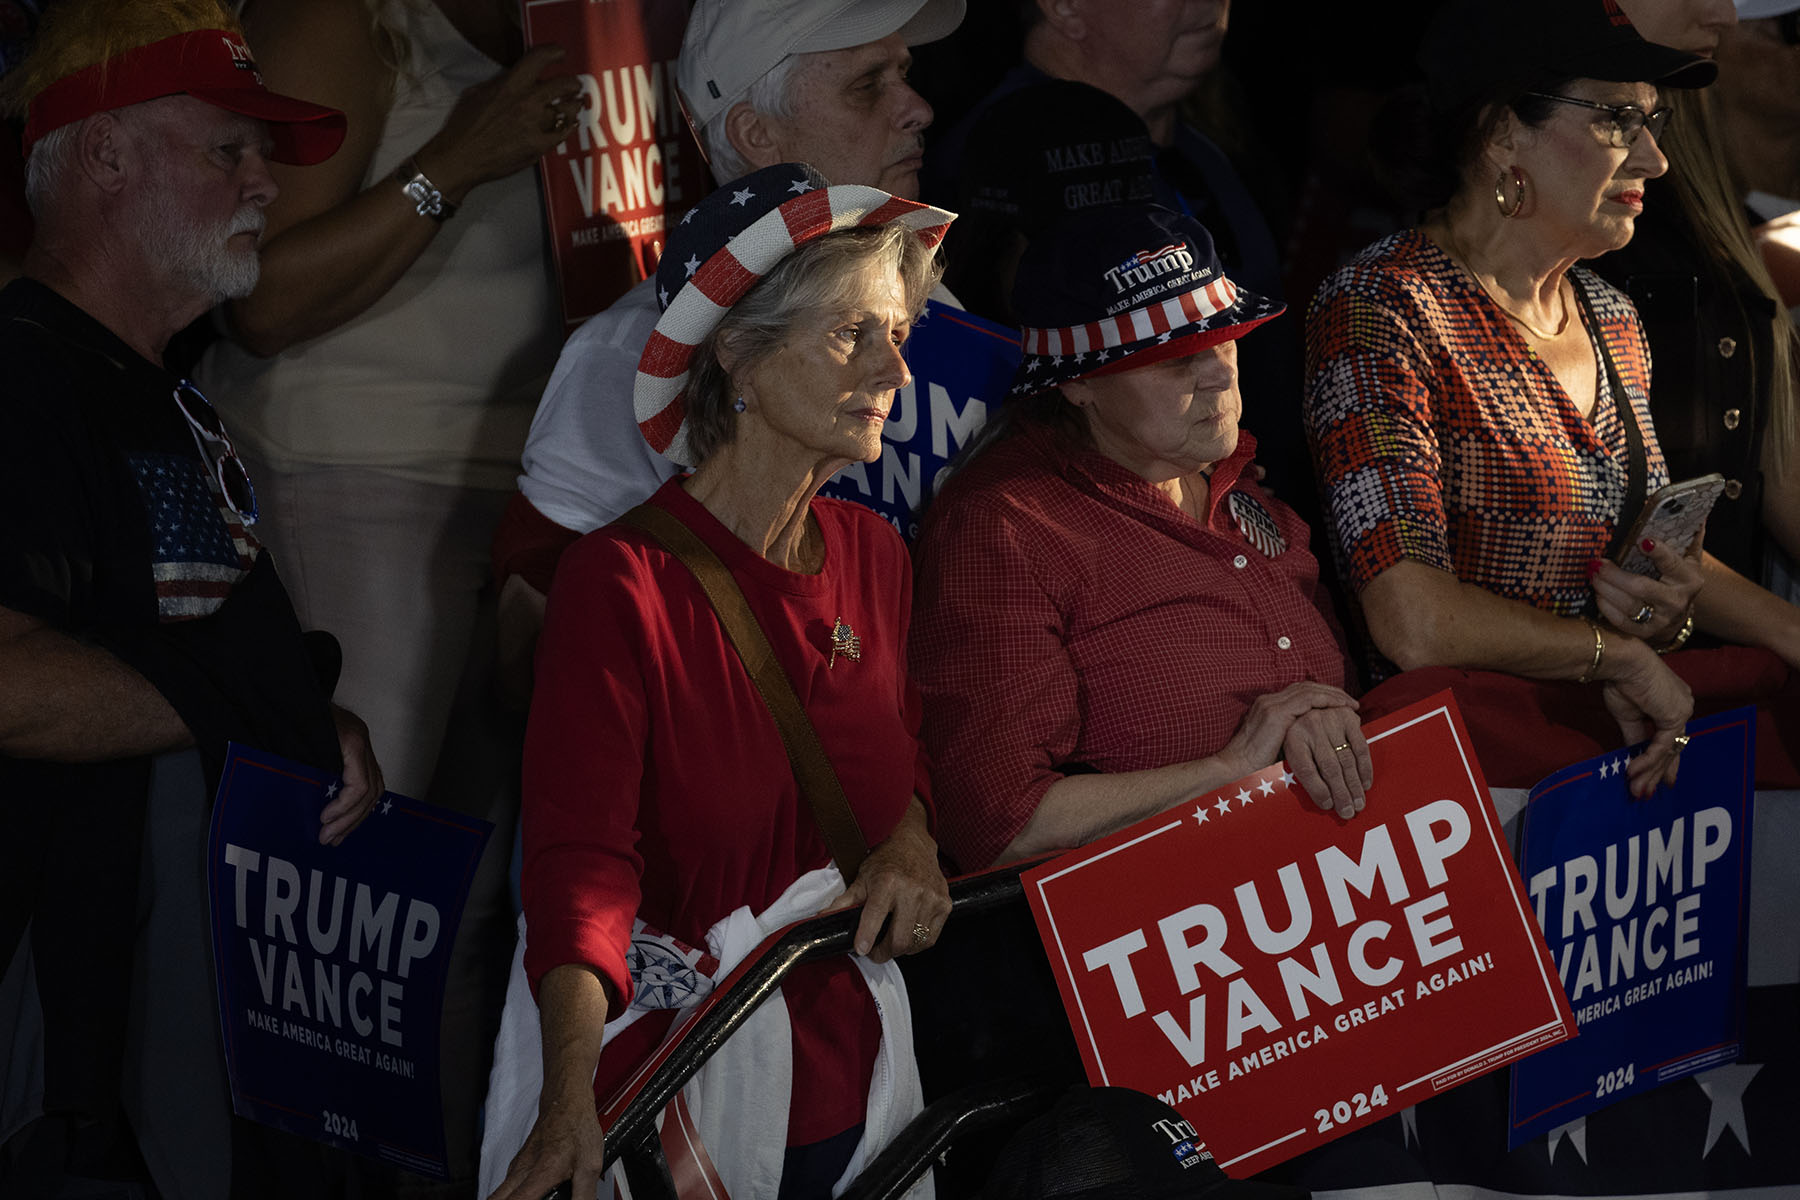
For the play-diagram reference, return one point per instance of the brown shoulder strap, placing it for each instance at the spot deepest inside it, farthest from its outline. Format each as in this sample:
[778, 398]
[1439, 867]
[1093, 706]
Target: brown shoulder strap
[812, 769]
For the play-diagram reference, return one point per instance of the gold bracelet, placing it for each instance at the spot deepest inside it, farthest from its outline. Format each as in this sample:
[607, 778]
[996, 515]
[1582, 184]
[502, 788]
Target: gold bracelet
[1587, 676]
[1681, 635]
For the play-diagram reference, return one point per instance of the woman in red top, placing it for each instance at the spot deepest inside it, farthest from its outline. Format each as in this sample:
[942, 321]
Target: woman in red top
[656, 785]
[1113, 616]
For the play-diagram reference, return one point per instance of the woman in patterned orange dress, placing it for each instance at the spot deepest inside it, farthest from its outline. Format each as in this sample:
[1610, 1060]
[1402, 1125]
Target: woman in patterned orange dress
[1471, 391]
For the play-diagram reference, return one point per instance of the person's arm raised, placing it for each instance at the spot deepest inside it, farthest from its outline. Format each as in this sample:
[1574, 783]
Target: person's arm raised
[332, 247]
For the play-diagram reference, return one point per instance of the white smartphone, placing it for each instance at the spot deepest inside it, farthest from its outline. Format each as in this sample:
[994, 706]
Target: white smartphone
[1672, 517]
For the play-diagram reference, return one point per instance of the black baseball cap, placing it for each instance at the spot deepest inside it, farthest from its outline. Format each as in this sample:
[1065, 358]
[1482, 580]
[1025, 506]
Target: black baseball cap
[1471, 46]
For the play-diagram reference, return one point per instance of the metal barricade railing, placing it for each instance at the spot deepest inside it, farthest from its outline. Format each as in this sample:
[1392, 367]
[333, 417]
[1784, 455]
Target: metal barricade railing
[632, 1137]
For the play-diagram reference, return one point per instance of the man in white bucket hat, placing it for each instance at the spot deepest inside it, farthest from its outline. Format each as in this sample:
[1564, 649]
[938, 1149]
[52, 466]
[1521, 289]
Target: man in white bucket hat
[763, 82]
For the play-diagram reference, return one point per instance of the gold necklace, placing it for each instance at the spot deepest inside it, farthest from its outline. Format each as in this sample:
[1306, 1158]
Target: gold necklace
[1547, 334]
[1456, 256]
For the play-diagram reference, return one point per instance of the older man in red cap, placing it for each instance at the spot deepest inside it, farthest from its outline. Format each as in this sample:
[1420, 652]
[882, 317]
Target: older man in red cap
[141, 625]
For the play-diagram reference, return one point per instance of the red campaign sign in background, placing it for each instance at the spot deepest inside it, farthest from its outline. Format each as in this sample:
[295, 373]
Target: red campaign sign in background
[630, 165]
[1282, 976]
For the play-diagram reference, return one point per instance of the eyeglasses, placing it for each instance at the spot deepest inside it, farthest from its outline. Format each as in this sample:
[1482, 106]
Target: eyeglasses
[1624, 121]
[228, 468]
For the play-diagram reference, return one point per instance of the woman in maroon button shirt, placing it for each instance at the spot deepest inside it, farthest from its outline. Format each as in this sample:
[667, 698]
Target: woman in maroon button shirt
[1112, 615]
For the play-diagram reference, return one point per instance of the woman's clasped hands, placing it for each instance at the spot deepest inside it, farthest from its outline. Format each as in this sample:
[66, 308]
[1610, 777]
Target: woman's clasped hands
[1314, 727]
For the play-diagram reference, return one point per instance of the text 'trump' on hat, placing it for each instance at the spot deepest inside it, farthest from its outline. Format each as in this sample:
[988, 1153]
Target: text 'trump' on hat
[213, 65]
[1114, 289]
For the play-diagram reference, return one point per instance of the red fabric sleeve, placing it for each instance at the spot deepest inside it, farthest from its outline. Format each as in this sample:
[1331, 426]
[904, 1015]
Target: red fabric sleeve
[912, 706]
[1001, 695]
[528, 544]
[584, 764]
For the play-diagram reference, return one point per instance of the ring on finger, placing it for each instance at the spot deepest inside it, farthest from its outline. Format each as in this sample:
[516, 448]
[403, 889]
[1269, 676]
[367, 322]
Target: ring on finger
[1340, 749]
[1644, 613]
[1681, 742]
[921, 933]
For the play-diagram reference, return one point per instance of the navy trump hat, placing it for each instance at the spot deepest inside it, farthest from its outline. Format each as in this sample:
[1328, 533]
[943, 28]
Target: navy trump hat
[1119, 288]
[1111, 1143]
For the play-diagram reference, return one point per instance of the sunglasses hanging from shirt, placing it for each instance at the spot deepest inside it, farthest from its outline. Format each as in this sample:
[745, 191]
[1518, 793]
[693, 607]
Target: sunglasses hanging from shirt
[215, 446]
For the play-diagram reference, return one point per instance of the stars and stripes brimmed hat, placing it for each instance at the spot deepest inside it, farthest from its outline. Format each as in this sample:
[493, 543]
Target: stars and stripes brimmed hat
[1120, 288]
[721, 249]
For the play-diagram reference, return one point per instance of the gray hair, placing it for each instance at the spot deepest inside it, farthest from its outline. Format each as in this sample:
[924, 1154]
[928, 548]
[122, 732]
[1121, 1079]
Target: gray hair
[48, 163]
[772, 94]
[822, 276]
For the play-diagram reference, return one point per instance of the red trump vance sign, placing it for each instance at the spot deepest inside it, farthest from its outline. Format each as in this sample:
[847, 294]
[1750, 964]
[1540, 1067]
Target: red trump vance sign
[1282, 976]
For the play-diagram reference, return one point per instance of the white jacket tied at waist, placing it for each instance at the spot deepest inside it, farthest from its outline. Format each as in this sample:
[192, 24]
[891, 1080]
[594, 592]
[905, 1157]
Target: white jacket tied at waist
[739, 1099]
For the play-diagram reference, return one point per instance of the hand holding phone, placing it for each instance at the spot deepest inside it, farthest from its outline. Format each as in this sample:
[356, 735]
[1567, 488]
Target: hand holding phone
[1673, 517]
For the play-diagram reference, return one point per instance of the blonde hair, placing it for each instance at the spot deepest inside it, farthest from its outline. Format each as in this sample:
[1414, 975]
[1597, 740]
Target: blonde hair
[76, 34]
[1709, 199]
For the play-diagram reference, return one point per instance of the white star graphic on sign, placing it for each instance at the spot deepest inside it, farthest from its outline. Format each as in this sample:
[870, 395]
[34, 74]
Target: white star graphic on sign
[687, 216]
[1287, 779]
[692, 264]
[800, 187]
[663, 295]
[386, 807]
[1267, 788]
[1102, 356]
[1034, 364]
[743, 197]
[1575, 1131]
[1223, 805]
[1200, 815]
[1164, 337]
[1244, 796]
[1057, 361]
[332, 789]
[1724, 1086]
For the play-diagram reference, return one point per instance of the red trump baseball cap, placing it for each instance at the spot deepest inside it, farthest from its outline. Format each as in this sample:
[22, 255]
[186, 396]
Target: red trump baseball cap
[213, 65]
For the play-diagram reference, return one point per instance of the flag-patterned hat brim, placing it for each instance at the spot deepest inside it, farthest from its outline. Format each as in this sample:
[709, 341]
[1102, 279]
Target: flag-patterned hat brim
[1171, 326]
[810, 211]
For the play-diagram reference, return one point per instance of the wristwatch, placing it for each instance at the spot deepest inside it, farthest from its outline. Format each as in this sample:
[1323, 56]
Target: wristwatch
[422, 192]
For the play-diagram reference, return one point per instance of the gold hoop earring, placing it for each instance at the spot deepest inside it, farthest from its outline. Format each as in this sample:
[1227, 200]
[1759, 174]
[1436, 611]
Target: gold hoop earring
[1508, 212]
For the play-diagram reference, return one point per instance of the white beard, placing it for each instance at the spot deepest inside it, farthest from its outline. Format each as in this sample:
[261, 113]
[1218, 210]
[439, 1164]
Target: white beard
[199, 258]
